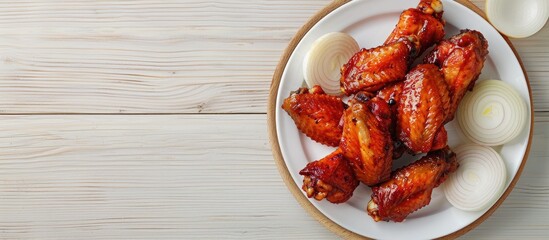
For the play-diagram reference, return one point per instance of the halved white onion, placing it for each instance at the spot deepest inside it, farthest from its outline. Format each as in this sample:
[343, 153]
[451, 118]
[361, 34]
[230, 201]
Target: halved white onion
[493, 114]
[517, 19]
[479, 180]
[323, 62]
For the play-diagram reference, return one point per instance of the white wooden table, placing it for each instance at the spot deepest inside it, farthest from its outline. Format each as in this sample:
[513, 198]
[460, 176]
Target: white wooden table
[147, 120]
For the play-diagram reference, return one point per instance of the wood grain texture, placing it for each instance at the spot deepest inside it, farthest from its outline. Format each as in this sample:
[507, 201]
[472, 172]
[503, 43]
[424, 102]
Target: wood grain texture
[150, 177]
[187, 56]
[155, 177]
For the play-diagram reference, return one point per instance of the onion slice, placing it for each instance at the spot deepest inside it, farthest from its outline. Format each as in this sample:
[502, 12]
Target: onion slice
[323, 62]
[517, 19]
[493, 114]
[480, 179]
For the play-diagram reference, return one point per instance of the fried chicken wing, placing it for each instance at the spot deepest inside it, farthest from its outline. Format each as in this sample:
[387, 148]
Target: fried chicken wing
[330, 177]
[461, 59]
[316, 114]
[366, 140]
[372, 69]
[422, 25]
[422, 108]
[410, 187]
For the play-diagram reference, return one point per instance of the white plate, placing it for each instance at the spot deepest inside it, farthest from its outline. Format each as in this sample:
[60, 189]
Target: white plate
[370, 22]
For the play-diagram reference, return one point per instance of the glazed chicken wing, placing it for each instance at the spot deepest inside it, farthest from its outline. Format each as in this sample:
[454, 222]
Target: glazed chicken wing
[366, 140]
[422, 109]
[330, 177]
[422, 25]
[461, 59]
[371, 69]
[409, 188]
[316, 114]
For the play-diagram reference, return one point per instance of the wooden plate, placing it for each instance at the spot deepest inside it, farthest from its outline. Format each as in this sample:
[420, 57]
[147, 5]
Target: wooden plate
[291, 182]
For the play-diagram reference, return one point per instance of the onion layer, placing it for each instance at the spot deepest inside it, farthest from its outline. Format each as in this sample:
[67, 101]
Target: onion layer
[493, 114]
[479, 180]
[323, 62]
[517, 19]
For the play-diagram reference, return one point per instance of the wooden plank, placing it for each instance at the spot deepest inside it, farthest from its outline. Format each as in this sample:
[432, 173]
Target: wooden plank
[143, 56]
[184, 177]
[143, 177]
[162, 56]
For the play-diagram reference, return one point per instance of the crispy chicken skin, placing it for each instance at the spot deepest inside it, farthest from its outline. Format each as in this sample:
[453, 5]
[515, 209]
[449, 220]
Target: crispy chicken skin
[441, 139]
[371, 69]
[422, 108]
[461, 59]
[366, 140]
[423, 26]
[391, 94]
[330, 177]
[316, 114]
[410, 187]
